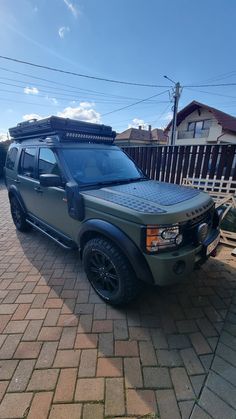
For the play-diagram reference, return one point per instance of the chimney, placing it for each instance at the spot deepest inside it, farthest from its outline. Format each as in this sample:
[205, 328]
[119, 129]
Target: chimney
[140, 127]
[150, 131]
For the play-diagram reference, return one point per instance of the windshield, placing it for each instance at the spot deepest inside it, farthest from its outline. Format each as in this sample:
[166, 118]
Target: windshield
[94, 166]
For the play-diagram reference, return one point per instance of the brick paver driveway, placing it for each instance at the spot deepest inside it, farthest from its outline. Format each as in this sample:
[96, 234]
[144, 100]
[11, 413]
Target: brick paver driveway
[66, 354]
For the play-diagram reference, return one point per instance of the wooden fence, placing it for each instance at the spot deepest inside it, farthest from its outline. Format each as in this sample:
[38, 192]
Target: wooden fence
[173, 163]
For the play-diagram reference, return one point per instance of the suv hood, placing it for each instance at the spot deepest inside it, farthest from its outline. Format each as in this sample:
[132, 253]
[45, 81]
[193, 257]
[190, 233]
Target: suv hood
[148, 198]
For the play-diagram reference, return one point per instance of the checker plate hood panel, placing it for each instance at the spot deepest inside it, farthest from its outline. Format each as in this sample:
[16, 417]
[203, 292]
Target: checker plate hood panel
[148, 196]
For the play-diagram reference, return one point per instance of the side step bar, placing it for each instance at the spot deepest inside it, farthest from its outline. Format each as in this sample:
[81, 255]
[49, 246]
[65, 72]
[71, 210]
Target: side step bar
[49, 235]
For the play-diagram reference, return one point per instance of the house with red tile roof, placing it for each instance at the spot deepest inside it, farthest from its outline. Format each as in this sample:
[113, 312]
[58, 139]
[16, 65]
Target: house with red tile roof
[140, 137]
[198, 124]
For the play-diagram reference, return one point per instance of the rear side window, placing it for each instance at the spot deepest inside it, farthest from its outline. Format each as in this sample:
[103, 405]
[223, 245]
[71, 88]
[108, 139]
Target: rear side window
[11, 158]
[28, 161]
[47, 162]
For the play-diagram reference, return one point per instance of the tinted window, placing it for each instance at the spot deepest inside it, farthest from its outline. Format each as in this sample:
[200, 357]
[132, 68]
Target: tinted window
[11, 158]
[47, 162]
[27, 162]
[100, 165]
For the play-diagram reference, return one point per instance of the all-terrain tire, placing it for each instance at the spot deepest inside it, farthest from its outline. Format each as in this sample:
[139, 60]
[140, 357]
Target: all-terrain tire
[18, 215]
[100, 258]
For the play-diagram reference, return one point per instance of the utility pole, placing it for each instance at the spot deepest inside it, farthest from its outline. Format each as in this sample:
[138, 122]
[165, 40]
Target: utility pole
[176, 96]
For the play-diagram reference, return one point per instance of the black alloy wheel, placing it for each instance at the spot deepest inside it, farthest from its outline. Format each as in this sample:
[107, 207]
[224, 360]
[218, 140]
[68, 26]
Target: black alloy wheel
[109, 272]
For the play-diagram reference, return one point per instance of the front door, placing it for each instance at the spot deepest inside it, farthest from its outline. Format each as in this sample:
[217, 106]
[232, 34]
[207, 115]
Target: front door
[51, 201]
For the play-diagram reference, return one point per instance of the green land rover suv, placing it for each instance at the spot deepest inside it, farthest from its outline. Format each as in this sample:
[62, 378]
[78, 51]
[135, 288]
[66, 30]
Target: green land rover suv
[66, 179]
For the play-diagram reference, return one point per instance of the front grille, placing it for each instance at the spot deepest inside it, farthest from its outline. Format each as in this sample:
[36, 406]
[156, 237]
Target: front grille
[189, 229]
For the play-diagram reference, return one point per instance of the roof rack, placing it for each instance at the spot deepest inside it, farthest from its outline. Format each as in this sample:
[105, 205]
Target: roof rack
[68, 130]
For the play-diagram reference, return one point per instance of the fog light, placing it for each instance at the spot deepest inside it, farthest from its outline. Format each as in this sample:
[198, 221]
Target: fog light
[202, 232]
[179, 239]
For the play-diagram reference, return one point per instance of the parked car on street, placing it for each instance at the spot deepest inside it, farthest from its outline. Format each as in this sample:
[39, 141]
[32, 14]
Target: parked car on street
[66, 179]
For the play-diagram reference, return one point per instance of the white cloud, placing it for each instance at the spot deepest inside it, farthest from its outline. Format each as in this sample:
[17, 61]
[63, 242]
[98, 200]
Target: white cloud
[71, 6]
[29, 116]
[62, 31]
[31, 90]
[87, 104]
[3, 137]
[80, 113]
[136, 122]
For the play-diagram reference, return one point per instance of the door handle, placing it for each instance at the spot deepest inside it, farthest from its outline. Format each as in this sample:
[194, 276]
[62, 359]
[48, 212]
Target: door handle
[38, 189]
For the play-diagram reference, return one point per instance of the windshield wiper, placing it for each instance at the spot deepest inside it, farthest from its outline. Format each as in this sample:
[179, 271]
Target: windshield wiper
[113, 182]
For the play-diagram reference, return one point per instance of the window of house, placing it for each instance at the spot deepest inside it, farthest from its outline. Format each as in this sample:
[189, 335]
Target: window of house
[28, 161]
[47, 162]
[11, 158]
[197, 127]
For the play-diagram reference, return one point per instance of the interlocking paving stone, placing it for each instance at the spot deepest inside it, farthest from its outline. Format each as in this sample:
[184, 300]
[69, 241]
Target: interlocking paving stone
[226, 353]
[40, 405]
[147, 354]
[222, 388]
[65, 386]
[186, 408]
[133, 373]
[167, 404]
[216, 407]
[182, 385]
[199, 413]
[156, 377]
[88, 362]
[115, 398]
[85, 359]
[141, 402]
[15, 405]
[226, 370]
[89, 389]
[92, 411]
[21, 376]
[62, 411]
[191, 362]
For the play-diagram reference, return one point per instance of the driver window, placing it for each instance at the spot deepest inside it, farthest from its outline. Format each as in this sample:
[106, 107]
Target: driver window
[47, 162]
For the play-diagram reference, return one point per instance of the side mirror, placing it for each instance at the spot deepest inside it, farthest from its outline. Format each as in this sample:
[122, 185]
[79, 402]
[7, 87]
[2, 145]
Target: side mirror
[50, 180]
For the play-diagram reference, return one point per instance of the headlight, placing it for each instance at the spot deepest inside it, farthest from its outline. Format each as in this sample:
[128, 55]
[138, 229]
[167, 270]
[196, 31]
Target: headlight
[162, 237]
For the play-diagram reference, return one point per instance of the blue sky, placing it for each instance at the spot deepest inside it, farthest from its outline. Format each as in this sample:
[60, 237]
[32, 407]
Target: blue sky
[133, 40]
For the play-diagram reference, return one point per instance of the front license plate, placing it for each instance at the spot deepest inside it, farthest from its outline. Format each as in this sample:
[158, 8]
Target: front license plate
[212, 245]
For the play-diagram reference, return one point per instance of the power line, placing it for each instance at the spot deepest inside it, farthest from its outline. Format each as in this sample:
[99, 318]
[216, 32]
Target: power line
[221, 76]
[211, 85]
[24, 85]
[72, 73]
[65, 99]
[162, 113]
[211, 93]
[135, 103]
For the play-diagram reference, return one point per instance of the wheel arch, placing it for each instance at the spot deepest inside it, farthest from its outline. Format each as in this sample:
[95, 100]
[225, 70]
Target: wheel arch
[95, 227]
[13, 192]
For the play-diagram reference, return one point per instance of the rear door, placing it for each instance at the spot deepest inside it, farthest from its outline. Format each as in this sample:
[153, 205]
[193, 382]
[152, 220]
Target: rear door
[26, 178]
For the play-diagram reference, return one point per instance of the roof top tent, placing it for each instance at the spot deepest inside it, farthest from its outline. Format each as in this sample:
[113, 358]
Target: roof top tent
[66, 129]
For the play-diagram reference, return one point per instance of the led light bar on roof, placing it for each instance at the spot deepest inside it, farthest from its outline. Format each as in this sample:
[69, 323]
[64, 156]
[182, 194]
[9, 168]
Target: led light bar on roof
[76, 136]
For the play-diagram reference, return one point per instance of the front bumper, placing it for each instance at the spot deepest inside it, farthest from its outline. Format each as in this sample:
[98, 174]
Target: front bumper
[171, 267]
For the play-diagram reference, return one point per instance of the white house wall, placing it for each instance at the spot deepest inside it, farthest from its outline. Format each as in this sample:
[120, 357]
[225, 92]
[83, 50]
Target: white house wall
[214, 132]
